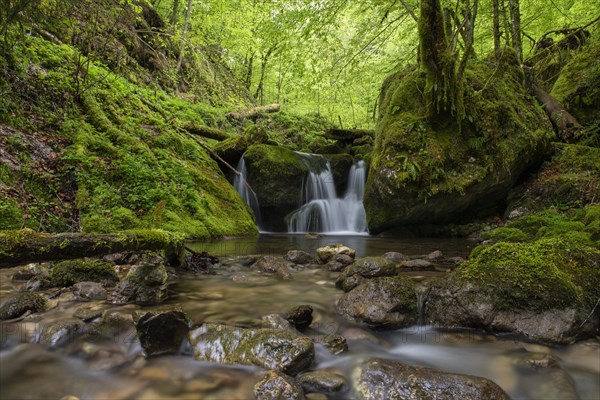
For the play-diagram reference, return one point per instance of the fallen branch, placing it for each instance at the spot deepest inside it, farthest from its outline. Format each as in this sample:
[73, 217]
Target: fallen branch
[347, 134]
[253, 113]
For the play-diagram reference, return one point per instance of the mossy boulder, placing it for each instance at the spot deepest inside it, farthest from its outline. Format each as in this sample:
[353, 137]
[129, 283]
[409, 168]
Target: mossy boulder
[67, 273]
[545, 290]
[275, 173]
[266, 348]
[437, 171]
[363, 269]
[385, 302]
[275, 385]
[18, 304]
[144, 284]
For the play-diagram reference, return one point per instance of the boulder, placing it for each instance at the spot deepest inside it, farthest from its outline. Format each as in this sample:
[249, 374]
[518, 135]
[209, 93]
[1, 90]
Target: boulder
[275, 385]
[385, 302]
[335, 343]
[57, 333]
[67, 273]
[395, 256]
[144, 284]
[30, 271]
[365, 268]
[299, 257]
[416, 265]
[326, 253]
[430, 170]
[300, 317]
[376, 379]
[86, 291]
[18, 304]
[338, 262]
[264, 347]
[161, 330]
[273, 265]
[322, 381]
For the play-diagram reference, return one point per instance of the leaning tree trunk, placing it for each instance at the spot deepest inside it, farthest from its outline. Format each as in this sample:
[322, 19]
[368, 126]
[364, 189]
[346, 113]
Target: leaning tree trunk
[515, 28]
[497, 33]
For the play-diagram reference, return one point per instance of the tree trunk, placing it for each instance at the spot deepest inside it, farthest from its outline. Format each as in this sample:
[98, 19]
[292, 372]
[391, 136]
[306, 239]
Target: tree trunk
[515, 28]
[249, 70]
[188, 13]
[496, 17]
[259, 94]
[175, 12]
[253, 113]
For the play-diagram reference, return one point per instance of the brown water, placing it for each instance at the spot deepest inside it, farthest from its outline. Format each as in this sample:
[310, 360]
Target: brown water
[115, 369]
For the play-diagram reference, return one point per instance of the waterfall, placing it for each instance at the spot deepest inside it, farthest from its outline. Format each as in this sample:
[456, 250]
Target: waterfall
[422, 294]
[322, 211]
[240, 184]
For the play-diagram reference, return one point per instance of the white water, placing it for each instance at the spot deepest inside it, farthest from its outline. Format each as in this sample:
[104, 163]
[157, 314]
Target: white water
[322, 211]
[241, 185]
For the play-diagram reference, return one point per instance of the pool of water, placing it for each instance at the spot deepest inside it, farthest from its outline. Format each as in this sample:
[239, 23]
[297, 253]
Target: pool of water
[238, 295]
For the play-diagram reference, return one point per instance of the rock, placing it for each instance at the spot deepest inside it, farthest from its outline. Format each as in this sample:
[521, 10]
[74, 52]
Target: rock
[377, 379]
[200, 263]
[86, 314]
[144, 284]
[38, 283]
[322, 381]
[275, 385]
[271, 264]
[326, 253]
[89, 291]
[300, 317]
[67, 273]
[386, 302]
[265, 348]
[60, 332]
[18, 304]
[338, 263]
[434, 183]
[276, 321]
[30, 271]
[334, 266]
[434, 255]
[299, 257]
[365, 268]
[161, 330]
[337, 344]
[316, 396]
[116, 258]
[395, 256]
[416, 265]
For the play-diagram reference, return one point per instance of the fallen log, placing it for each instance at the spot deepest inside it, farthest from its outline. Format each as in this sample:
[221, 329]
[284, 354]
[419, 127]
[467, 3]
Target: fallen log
[24, 246]
[253, 113]
[347, 134]
[205, 131]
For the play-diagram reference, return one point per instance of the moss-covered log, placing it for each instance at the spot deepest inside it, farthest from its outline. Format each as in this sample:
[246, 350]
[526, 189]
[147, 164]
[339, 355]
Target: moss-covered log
[347, 134]
[18, 247]
[253, 113]
[205, 131]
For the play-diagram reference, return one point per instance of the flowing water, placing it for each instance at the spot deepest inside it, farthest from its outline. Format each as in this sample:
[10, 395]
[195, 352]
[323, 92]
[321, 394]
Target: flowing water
[322, 210]
[114, 369]
[240, 184]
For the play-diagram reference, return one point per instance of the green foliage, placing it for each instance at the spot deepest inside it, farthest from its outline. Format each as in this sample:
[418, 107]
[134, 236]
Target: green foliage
[67, 273]
[11, 216]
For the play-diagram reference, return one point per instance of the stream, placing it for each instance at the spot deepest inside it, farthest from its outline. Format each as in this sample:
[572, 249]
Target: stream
[116, 369]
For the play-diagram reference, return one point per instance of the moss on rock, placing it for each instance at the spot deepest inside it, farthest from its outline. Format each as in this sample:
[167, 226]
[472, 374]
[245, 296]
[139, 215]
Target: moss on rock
[67, 273]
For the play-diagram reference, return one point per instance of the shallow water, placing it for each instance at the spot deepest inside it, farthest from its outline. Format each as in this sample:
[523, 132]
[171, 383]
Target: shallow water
[238, 295]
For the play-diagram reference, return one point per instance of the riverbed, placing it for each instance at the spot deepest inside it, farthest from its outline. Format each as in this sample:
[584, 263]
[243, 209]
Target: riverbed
[116, 369]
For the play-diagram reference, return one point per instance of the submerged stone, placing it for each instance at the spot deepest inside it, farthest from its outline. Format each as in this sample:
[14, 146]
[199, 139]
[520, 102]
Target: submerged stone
[299, 257]
[57, 333]
[377, 379]
[265, 348]
[273, 265]
[275, 385]
[322, 381]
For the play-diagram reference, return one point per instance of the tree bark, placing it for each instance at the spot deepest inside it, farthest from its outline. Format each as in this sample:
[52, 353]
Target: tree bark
[188, 13]
[565, 124]
[253, 113]
[496, 17]
[175, 12]
[515, 28]
[205, 131]
[259, 94]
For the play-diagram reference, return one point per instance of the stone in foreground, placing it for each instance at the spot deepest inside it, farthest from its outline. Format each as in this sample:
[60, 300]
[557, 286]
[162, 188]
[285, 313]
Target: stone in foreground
[161, 330]
[275, 385]
[265, 348]
[377, 379]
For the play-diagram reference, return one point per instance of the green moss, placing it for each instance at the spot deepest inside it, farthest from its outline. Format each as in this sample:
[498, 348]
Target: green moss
[67, 273]
[506, 234]
[11, 216]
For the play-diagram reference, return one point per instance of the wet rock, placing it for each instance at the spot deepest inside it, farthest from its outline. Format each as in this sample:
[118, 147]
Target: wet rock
[386, 379]
[326, 253]
[416, 265]
[144, 284]
[89, 291]
[385, 302]
[57, 333]
[200, 263]
[337, 344]
[300, 317]
[266, 348]
[116, 258]
[18, 304]
[275, 385]
[435, 255]
[362, 269]
[322, 381]
[276, 265]
[38, 283]
[161, 330]
[276, 321]
[333, 266]
[30, 271]
[87, 314]
[67, 273]
[395, 256]
[338, 262]
[299, 257]
[316, 396]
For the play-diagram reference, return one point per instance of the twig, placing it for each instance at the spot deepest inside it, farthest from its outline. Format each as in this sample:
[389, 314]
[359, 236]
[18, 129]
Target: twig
[591, 313]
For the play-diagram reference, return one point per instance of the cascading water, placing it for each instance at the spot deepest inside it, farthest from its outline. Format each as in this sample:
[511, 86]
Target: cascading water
[241, 185]
[322, 211]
